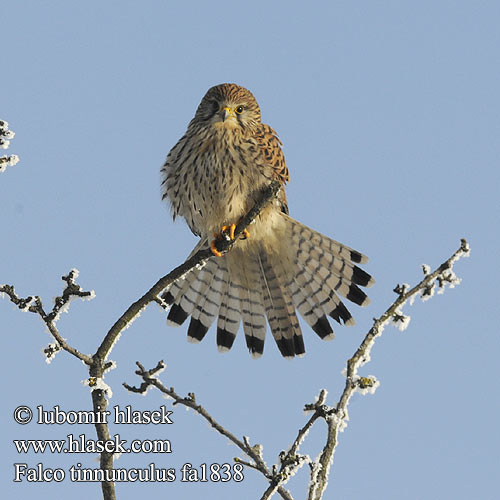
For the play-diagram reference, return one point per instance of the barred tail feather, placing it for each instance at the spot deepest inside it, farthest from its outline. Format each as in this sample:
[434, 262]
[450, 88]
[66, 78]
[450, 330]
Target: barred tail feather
[324, 270]
[250, 301]
[279, 308]
[300, 231]
[335, 264]
[229, 316]
[191, 293]
[318, 305]
[339, 284]
[207, 306]
[179, 287]
[269, 279]
[311, 311]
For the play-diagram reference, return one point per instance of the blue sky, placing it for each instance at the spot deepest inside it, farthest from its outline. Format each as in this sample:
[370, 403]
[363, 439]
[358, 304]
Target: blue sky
[389, 116]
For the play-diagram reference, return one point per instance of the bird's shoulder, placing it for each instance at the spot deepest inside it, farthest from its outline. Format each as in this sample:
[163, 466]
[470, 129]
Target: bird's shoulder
[270, 145]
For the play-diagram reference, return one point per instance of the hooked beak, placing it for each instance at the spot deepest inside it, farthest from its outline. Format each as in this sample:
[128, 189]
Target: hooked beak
[226, 112]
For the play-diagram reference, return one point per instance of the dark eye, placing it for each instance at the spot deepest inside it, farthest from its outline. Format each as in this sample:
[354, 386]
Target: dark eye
[239, 109]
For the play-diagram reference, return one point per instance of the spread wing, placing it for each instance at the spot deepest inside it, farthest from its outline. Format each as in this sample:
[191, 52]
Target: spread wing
[270, 146]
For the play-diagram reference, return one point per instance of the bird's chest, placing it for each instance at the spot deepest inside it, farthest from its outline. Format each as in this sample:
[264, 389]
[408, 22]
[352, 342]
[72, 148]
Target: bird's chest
[222, 177]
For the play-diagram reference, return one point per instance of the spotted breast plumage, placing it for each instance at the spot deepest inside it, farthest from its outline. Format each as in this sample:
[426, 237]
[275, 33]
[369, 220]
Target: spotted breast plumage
[212, 177]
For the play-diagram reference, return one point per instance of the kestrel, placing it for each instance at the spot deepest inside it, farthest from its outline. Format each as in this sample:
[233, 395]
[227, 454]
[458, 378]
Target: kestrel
[212, 177]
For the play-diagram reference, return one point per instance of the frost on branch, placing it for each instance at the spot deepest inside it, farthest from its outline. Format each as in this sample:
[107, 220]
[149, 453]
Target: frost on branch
[427, 291]
[447, 278]
[443, 276]
[98, 384]
[335, 417]
[98, 364]
[400, 320]
[367, 385]
[50, 352]
[6, 136]
[34, 304]
[72, 290]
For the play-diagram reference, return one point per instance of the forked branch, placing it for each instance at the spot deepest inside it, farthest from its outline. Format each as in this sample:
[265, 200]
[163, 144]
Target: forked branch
[335, 416]
[290, 461]
[98, 364]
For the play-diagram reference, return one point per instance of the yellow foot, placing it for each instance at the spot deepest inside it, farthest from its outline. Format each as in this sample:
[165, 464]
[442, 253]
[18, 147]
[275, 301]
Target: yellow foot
[227, 232]
[231, 229]
[225, 229]
[214, 250]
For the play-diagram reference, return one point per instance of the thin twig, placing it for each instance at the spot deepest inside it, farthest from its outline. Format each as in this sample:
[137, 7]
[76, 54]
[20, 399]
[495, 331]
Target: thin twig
[334, 417]
[290, 461]
[34, 305]
[338, 415]
[150, 380]
[97, 363]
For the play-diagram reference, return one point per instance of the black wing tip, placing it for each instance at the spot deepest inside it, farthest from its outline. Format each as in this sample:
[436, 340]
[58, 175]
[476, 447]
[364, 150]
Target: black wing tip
[361, 278]
[298, 341]
[342, 315]
[357, 296]
[357, 257]
[225, 339]
[323, 328]
[255, 346]
[177, 315]
[290, 347]
[167, 297]
[196, 330]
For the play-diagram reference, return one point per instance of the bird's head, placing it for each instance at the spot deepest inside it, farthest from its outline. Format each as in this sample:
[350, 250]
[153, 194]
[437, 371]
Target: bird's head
[228, 106]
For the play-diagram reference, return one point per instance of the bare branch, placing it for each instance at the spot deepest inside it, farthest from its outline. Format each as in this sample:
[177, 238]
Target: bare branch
[290, 461]
[150, 379]
[126, 319]
[98, 364]
[100, 403]
[319, 411]
[34, 305]
[336, 418]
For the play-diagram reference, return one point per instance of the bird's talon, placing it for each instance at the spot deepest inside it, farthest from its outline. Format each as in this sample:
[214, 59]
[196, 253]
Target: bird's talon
[228, 231]
[214, 250]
